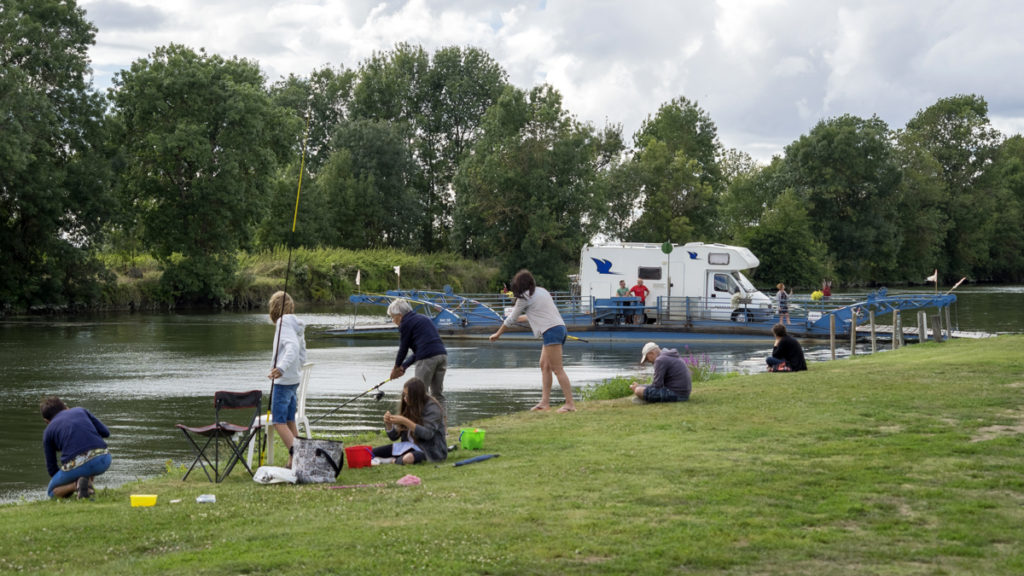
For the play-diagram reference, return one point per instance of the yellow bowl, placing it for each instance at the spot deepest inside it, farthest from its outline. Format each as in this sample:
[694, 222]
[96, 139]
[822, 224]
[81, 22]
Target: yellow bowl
[143, 499]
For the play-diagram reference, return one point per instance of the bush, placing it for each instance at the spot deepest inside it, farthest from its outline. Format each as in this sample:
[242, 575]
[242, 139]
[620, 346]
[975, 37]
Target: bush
[610, 389]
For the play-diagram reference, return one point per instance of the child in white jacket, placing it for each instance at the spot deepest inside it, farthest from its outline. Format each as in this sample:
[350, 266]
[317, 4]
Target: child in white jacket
[289, 356]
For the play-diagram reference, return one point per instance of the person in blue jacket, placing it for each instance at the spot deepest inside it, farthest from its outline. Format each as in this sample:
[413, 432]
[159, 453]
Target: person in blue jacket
[78, 436]
[418, 334]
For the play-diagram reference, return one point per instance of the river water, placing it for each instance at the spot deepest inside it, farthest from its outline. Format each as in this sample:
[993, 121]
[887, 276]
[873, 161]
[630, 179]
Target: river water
[143, 373]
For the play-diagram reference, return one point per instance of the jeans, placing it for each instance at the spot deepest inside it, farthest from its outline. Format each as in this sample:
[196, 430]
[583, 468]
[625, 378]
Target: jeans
[94, 467]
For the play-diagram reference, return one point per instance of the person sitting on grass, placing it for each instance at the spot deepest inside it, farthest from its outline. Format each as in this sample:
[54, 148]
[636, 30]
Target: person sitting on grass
[787, 355]
[78, 436]
[671, 381]
[419, 429]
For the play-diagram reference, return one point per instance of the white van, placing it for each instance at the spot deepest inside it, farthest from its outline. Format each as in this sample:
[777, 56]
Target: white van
[702, 280]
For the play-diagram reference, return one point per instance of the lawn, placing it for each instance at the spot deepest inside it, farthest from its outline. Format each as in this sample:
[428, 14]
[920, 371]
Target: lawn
[904, 462]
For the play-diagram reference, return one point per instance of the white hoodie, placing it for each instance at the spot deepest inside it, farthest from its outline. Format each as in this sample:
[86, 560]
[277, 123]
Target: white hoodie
[292, 353]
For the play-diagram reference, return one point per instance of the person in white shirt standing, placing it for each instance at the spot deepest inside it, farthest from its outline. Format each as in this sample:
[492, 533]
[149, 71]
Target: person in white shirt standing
[289, 356]
[535, 305]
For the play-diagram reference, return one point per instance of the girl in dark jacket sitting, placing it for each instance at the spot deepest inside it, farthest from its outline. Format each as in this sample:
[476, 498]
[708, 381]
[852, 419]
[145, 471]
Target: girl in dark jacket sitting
[787, 355]
[419, 429]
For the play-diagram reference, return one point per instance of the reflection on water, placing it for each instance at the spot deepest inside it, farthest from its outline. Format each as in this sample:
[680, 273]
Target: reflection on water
[141, 374]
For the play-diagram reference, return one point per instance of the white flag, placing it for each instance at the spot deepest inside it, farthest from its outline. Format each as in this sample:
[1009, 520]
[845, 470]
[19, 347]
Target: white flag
[933, 278]
[398, 270]
[358, 272]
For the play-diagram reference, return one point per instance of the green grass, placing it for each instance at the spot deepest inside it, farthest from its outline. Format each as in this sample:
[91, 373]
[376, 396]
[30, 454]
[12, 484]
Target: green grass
[906, 462]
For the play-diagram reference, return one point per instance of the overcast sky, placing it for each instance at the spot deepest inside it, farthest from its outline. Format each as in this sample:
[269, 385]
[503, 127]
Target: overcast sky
[766, 71]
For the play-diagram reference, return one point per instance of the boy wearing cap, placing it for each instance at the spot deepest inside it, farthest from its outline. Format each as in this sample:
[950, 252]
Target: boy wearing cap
[671, 381]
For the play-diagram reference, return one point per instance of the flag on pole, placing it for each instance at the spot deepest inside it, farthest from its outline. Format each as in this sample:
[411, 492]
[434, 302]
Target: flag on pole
[933, 278]
[398, 270]
[358, 273]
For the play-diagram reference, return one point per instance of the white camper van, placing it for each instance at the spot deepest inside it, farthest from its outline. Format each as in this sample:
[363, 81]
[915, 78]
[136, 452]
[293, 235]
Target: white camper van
[703, 280]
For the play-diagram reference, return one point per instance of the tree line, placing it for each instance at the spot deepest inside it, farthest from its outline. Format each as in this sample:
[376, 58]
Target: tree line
[192, 158]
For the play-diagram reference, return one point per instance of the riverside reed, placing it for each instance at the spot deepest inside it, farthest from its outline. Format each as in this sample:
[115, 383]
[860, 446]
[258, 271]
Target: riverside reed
[905, 462]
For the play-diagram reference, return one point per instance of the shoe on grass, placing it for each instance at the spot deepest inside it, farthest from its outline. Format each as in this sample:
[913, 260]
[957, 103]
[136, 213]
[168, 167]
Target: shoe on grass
[83, 487]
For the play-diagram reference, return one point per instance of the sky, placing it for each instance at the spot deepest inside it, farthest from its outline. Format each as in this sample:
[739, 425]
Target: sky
[765, 71]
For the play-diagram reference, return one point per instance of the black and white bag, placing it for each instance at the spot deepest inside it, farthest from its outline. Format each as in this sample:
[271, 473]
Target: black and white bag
[317, 460]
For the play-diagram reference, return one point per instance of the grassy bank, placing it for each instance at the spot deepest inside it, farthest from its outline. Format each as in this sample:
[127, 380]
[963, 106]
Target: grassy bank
[905, 462]
[319, 276]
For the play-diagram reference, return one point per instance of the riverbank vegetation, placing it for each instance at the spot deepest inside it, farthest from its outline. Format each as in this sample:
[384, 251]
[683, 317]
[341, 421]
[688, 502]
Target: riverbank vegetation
[192, 159]
[318, 276]
[903, 462]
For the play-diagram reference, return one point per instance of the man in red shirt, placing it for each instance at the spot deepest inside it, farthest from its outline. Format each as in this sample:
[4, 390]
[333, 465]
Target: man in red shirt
[640, 291]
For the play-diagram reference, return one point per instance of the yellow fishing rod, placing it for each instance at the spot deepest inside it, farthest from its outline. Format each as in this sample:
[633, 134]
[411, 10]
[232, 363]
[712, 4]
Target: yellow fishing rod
[287, 274]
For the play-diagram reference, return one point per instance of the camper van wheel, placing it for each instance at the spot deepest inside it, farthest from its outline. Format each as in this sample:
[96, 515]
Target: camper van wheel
[742, 316]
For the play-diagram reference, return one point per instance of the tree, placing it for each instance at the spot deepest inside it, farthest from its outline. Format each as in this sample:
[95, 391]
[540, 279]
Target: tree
[437, 103]
[205, 142]
[677, 175]
[785, 244]
[366, 185]
[1007, 242]
[845, 171]
[529, 192]
[922, 216]
[956, 132]
[53, 185]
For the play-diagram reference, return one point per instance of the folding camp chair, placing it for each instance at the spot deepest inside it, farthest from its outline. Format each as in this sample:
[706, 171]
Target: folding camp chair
[226, 431]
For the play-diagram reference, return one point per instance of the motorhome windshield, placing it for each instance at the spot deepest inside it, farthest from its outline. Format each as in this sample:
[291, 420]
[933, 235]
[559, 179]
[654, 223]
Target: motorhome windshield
[743, 282]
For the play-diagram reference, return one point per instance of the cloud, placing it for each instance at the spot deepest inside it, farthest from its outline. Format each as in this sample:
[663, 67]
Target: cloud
[766, 71]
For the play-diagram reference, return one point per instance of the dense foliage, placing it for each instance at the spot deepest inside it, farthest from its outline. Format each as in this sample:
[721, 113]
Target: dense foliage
[191, 158]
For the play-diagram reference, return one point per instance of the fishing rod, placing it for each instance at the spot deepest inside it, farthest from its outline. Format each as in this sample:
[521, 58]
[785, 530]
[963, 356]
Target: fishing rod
[568, 336]
[291, 244]
[287, 274]
[376, 397]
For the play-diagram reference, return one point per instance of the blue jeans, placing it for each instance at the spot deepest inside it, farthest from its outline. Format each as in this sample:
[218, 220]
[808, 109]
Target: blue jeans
[94, 467]
[555, 335]
[652, 394]
[285, 403]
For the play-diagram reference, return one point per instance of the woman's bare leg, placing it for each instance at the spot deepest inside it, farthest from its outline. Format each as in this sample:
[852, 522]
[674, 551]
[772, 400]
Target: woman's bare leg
[545, 379]
[555, 367]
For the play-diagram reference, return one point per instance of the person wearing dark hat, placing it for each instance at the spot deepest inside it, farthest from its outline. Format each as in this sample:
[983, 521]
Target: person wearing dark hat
[671, 381]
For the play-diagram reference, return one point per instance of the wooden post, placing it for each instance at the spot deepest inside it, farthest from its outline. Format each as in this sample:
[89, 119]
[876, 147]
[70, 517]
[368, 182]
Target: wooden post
[897, 330]
[832, 334]
[922, 326]
[937, 328]
[871, 318]
[949, 325]
[853, 333]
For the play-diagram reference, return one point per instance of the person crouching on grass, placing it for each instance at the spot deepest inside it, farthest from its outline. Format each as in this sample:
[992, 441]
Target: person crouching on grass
[419, 428]
[78, 436]
[671, 381]
[290, 355]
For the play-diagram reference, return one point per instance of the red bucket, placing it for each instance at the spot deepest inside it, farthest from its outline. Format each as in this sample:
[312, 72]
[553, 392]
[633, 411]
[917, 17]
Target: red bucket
[358, 456]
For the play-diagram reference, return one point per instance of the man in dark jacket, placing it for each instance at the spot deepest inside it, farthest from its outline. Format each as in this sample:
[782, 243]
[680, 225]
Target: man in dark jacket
[787, 355]
[418, 334]
[671, 381]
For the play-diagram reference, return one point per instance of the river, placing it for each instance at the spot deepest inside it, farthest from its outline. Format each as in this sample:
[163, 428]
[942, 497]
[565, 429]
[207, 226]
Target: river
[143, 373]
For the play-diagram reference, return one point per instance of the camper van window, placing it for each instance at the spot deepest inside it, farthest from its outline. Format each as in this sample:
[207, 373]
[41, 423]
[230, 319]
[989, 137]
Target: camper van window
[718, 258]
[648, 273]
[724, 283]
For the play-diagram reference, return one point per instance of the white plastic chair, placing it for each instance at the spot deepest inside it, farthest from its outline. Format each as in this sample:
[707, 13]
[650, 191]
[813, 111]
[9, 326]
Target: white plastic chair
[266, 421]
